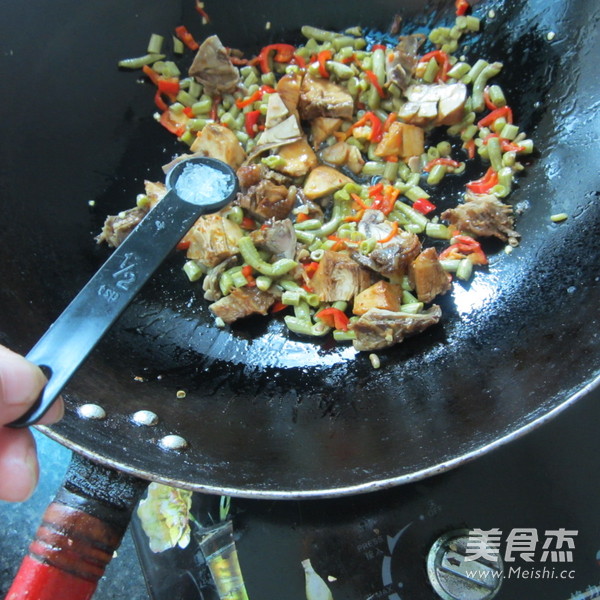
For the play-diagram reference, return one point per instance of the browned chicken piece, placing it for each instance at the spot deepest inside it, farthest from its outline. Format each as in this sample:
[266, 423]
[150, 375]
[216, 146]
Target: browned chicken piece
[382, 294]
[288, 87]
[117, 227]
[242, 302]
[323, 98]
[338, 277]
[213, 68]
[484, 215]
[249, 175]
[403, 59]
[428, 276]
[324, 180]
[217, 141]
[279, 238]
[391, 258]
[379, 328]
[299, 158]
[213, 238]
[252, 174]
[434, 103]
[342, 153]
[323, 127]
[267, 200]
[155, 190]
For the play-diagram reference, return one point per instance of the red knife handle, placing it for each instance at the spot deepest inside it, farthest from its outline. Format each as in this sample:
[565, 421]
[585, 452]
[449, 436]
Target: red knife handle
[79, 533]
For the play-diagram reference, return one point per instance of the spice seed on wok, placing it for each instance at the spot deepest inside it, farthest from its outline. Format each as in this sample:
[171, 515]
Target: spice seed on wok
[173, 442]
[91, 411]
[145, 417]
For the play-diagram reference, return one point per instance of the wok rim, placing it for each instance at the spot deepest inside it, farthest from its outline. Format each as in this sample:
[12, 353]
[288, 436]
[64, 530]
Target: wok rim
[335, 492]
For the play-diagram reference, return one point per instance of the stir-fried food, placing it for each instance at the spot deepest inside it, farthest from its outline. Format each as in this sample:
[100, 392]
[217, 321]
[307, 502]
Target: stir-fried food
[336, 227]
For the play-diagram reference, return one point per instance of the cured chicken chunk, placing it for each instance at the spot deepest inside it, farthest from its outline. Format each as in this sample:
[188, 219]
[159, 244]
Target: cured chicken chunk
[379, 328]
[428, 276]
[213, 239]
[242, 302]
[338, 277]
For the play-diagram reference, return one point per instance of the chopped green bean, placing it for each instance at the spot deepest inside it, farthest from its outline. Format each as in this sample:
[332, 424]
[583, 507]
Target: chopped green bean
[474, 71]
[437, 231]
[494, 153]
[464, 270]
[431, 71]
[436, 174]
[479, 83]
[140, 61]
[344, 336]
[412, 308]
[497, 96]
[415, 192]
[178, 47]
[251, 256]
[413, 215]
[193, 270]
[155, 44]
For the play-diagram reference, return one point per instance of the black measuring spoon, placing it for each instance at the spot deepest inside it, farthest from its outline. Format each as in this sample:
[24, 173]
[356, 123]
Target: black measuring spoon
[196, 186]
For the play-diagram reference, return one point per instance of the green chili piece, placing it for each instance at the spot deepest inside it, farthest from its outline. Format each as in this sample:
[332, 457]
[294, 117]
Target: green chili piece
[412, 308]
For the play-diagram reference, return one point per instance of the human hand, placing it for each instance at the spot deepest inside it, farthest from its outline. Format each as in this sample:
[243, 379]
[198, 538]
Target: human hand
[20, 385]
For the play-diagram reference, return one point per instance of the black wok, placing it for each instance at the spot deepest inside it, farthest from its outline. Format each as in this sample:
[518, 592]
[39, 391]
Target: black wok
[267, 414]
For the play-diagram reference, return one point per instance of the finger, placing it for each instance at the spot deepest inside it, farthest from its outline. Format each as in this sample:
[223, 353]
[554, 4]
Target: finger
[20, 385]
[19, 469]
[55, 413]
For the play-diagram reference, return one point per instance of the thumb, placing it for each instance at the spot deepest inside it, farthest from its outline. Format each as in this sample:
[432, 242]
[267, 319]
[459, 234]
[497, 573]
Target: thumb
[20, 385]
